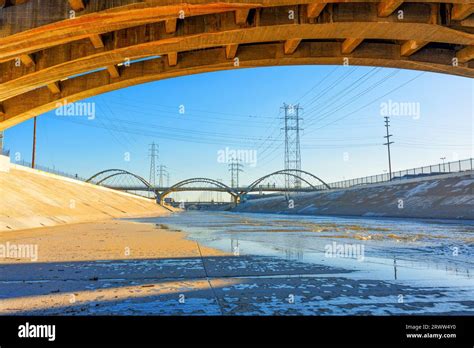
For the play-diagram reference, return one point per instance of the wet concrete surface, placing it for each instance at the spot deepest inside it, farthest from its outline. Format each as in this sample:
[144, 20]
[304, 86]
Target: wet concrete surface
[265, 272]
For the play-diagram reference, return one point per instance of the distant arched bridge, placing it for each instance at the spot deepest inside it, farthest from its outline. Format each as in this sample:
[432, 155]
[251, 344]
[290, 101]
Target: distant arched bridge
[133, 182]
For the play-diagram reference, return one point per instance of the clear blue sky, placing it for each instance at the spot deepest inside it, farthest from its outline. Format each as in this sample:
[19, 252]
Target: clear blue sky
[240, 109]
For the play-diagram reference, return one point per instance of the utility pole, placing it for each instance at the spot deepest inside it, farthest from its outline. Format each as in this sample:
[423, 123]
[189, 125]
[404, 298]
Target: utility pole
[442, 159]
[153, 153]
[235, 167]
[388, 143]
[33, 153]
[292, 144]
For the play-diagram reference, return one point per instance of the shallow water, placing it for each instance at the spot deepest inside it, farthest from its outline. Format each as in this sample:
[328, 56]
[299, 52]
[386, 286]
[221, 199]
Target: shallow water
[430, 256]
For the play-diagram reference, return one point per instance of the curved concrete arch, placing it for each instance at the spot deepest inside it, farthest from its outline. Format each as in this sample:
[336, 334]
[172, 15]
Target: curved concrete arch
[430, 37]
[39, 101]
[233, 36]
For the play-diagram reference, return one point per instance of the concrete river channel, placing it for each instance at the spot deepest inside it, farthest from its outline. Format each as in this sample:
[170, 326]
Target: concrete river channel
[276, 264]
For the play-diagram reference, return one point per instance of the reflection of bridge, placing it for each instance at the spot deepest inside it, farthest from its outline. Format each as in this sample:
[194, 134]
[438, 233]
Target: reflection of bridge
[138, 183]
[48, 60]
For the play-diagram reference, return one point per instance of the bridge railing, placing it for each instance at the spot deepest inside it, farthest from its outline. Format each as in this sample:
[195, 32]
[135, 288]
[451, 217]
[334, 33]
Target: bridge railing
[436, 169]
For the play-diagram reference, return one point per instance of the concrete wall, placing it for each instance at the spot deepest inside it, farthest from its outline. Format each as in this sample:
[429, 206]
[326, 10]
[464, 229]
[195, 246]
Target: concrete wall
[447, 197]
[30, 198]
[4, 163]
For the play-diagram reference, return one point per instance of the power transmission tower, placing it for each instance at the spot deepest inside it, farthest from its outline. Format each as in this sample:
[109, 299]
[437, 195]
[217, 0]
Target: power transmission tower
[387, 125]
[292, 144]
[153, 159]
[163, 172]
[235, 167]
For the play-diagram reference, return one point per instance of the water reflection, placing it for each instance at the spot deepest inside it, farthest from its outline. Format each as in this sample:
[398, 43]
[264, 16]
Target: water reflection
[418, 247]
[294, 254]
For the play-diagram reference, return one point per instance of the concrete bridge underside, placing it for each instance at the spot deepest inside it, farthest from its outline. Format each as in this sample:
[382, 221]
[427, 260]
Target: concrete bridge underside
[55, 51]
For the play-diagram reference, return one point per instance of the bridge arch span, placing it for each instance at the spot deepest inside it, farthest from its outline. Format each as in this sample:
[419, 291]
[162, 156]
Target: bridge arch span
[102, 176]
[181, 186]
[287, 172]
[63, 63]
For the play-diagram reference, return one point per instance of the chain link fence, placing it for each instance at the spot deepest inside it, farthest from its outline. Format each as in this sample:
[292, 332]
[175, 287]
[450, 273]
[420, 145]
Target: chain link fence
[50, 170]
[436, 169]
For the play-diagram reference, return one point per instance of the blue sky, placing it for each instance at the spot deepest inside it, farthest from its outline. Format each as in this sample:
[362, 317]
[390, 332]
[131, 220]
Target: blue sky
[240, 109]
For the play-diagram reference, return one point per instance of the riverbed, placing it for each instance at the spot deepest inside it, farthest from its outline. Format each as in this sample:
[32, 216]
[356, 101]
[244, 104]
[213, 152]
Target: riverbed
[221, 263]
[336, 265]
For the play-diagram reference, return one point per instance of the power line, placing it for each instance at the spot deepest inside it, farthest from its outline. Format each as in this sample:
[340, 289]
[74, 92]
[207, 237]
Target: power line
[317, 85]
[371, 102]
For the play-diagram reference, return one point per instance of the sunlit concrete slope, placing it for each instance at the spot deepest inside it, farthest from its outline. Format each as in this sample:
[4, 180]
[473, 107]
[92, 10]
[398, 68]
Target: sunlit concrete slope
[30, 198]
[444, 197]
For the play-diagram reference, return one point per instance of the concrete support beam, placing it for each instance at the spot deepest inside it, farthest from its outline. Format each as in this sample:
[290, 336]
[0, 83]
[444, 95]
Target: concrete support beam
[386, 7]
[411, 46]
[27, 60]
[466, 54]
[350, 45]
[291, 45]
[314, 10]
[241, 16]
[96, 41]
[77, 5]
[54, 87]
[170, 26]
[461, 11]
[113, 71]
[173, 58]
[231, 51]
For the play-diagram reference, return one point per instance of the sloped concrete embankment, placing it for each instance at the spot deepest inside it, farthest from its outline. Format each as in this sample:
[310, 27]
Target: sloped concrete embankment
[31, 198]
[445, 197]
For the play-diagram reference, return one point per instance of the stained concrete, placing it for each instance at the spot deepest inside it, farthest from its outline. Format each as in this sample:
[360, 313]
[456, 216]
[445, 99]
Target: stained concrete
[443, 197]
[32, 198]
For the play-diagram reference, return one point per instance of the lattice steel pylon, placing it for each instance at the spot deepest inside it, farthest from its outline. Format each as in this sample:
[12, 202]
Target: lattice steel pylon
[292, 144]
[153, 159]
[235, 167]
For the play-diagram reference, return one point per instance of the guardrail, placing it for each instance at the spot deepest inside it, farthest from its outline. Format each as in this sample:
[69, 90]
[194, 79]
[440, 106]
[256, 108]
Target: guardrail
[436, 169]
